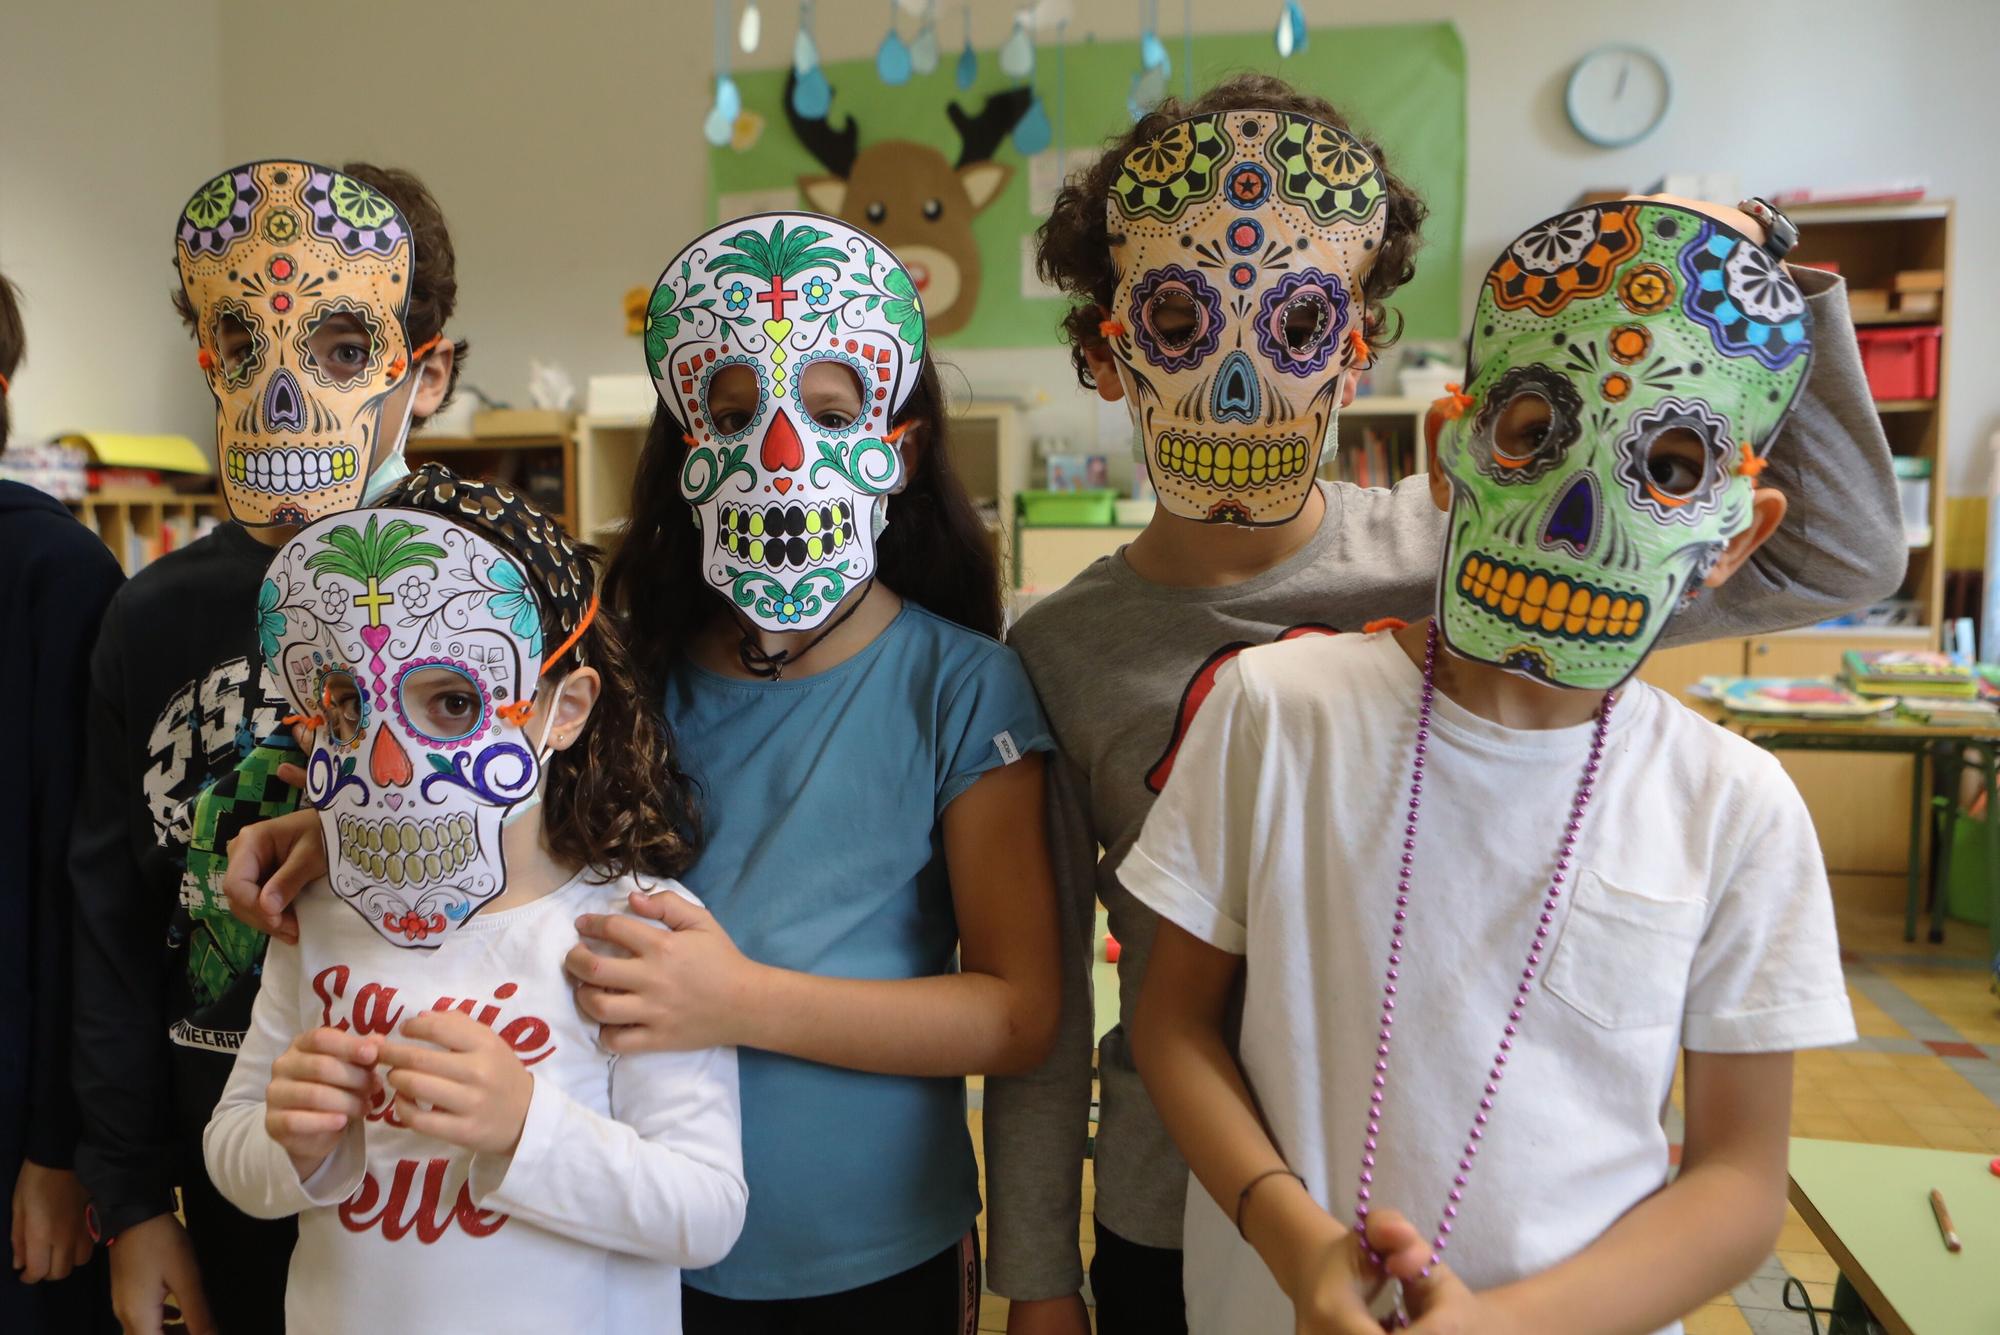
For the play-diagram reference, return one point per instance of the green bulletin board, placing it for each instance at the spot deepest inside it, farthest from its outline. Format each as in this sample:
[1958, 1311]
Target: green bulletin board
[1402, 85]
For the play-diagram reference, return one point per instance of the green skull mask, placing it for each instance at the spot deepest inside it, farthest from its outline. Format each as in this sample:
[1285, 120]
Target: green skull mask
[1664, 349]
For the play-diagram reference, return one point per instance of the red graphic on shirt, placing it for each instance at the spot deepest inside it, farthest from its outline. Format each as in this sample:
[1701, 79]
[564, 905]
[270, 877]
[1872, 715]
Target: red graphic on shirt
[1197, 691]
[374, 1010]
[395, 1215]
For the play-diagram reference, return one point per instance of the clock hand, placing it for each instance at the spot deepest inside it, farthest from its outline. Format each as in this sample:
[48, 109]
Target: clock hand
[1624, 72]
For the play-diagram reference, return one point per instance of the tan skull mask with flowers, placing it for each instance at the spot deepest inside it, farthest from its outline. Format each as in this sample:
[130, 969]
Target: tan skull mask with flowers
[299, 278]
[1241, 239]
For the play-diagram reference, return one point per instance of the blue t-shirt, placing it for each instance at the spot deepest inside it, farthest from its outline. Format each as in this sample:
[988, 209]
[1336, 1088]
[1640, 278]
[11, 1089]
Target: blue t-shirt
[822, 804]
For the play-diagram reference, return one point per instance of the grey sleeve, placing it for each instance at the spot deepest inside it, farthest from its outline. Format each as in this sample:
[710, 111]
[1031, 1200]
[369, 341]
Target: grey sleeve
[1841, 545]
[1038, 1125]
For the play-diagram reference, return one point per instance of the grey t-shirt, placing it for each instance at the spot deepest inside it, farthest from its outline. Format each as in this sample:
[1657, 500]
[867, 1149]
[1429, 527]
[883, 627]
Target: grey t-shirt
[1121, 665]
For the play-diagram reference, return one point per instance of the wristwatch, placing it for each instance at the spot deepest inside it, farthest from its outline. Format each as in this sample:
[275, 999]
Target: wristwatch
[1780, 232]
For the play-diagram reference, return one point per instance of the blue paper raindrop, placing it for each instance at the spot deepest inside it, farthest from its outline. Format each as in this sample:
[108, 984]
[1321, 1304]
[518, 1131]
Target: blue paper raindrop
[1017, 53]
[968, 66]
[812, 95]
[1033, 133]
[892, 58]
[924, 51]
[1153, 52]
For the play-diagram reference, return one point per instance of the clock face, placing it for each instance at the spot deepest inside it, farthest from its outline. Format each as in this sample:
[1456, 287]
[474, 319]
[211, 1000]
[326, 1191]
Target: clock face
[1617, 95]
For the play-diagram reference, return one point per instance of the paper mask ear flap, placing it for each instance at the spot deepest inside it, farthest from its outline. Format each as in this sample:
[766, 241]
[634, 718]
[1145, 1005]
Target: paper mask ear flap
[825, 193]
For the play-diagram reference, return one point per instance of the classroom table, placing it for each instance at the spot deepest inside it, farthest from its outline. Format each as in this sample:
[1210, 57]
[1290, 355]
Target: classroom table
[1949, 747]
[1869, 1206]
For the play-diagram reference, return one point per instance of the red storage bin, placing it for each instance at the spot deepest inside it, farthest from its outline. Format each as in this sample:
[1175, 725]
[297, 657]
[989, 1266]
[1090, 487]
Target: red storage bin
[1901, 363]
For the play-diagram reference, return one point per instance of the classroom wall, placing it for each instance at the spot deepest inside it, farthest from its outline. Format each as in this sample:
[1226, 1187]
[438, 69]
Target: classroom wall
[108, 121]
[563, 143]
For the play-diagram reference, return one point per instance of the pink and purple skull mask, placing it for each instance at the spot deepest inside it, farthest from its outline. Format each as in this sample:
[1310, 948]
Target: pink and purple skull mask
[1241, 240]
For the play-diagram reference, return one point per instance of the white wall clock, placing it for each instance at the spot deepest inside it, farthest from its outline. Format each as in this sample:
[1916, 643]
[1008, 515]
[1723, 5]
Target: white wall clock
[1618, 95]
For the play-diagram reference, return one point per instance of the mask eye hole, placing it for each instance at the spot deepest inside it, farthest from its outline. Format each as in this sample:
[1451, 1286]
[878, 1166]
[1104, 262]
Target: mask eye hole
[1306, 318]
[339, 346]
[830, 393]
[1676, 462]
[340, 702]
[733, 399]
[1175, 318]
[443, 704]
[1523, 428]
[235, 346]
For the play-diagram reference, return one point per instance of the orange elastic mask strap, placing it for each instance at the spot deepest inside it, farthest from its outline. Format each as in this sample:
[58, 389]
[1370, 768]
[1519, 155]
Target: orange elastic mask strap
[521, 710]
[897, 434]
[1750, 465]
[3, 386]
[204, 359]
[416, 357]
[1383, 623]
[1360, 345]
[311, 720]
[1111, 328]
[1451, 406]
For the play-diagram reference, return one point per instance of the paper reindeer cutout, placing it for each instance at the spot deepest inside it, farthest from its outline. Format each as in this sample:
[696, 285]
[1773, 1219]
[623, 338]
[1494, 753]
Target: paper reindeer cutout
[906, 195]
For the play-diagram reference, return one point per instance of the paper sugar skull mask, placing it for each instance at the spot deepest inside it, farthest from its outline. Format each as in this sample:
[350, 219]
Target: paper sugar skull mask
[747, 331]
[414, 641]
[1241, 239]
[1629, 366]
[299, 278]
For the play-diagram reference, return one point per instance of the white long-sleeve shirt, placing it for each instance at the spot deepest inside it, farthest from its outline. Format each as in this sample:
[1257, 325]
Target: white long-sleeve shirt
[628, 1168]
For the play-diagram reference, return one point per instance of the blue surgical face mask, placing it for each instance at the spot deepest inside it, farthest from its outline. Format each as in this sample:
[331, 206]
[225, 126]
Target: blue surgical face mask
[392, 470]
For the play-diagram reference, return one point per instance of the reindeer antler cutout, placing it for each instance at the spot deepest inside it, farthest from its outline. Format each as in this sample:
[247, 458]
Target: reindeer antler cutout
[834, 149]
[980, 136]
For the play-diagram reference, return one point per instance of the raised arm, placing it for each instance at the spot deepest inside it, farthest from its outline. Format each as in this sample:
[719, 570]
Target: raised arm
[662, 1177]
[1841, 545]
[1038, 1123]
[693, 989]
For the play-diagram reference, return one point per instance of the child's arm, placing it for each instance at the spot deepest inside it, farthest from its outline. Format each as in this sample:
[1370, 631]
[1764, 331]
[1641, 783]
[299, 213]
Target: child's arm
[287, 1133]
[1177, 1039]
[662, 1177]
[1037, 1124]
[1696, 1237]
[691, 988]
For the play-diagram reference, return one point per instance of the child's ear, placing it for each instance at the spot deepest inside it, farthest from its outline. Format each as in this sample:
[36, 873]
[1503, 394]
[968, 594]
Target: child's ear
[574, 700]
[1347, 389]
[433, 380]
[1104, 370]
[1439, 480]
[1767, 511]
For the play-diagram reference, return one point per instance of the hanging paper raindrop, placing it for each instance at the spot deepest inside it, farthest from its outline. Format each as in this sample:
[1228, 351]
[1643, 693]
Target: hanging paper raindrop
[1291, 36]
[1017, 53]
[1153, 52]
[751, 31]
[1033, 132]
[812, 95]
[892, 58]
[968, 63]
[924, 51]
[720, 123]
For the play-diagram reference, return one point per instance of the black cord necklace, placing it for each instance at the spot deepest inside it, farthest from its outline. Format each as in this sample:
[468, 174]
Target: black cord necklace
[771, 667]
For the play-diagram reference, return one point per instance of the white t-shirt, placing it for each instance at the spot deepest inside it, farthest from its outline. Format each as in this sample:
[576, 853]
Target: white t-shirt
[628, 1168]
[1699, 916]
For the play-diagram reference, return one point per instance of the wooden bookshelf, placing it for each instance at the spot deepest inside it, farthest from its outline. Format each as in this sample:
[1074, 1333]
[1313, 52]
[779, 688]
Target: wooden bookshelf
[1871, 244]
[540, 467]
[140, 525]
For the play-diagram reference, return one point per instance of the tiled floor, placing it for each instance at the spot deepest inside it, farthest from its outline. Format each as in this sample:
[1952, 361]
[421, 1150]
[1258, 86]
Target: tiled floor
[1925, 1072]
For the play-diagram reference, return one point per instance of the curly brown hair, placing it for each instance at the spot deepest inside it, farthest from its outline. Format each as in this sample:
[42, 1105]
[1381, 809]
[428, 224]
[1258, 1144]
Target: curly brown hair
[1073, 248]
[433, 284]
[13, 345]
[617, 801]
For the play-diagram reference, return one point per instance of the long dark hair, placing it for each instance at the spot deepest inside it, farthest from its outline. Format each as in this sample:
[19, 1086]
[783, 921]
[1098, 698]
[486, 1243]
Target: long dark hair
[935, 552]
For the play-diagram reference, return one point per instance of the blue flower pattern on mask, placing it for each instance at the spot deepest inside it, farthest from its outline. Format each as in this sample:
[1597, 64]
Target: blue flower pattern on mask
[516, 602]
[270, 621]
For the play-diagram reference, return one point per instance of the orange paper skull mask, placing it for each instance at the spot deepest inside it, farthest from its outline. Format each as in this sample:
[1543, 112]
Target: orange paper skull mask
[299, 277]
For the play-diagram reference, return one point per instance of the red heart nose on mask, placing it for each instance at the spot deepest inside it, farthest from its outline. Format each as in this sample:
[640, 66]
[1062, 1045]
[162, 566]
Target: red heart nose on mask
[783, 451]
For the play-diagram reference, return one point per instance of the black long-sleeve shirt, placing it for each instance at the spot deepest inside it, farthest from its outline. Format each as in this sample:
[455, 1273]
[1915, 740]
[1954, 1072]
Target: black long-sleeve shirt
[55, 579]
[178, 696]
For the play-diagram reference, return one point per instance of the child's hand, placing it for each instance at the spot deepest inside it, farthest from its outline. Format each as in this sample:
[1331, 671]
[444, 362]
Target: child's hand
[681, 990]
[1334, 1283]
[1442, 1305]
[319, 1086]
[475, 1093]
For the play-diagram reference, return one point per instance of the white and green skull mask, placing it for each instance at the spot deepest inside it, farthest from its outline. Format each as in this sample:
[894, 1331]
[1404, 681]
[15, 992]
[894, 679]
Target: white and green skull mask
[1667, 348]
[1241, 240]
[789, 506]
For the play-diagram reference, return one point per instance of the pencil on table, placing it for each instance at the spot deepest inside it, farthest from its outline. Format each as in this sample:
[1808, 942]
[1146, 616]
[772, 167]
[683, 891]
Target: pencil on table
[1951, 1242]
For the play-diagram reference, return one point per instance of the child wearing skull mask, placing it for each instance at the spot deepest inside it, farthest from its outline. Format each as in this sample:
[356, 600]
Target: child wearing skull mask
[1484, 888]
[317, 299]
[1188, 594]
[492, 771]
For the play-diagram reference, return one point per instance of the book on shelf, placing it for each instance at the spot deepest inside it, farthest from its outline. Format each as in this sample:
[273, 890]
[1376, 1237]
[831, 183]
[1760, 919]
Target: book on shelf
[1789, 697]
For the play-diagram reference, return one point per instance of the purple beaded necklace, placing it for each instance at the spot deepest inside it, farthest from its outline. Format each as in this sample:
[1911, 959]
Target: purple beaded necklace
[1376, 1096]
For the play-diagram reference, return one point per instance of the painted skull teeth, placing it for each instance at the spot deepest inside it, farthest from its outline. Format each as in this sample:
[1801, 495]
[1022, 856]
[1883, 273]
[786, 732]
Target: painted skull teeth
[288, 471]
[1232, 465]
[787, 536]
[408, 852]
[1536, 600]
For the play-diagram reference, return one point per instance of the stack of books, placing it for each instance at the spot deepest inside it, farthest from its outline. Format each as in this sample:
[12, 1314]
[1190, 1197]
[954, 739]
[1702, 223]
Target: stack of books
[1908, 673]
[1789, 697]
